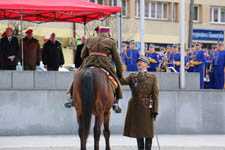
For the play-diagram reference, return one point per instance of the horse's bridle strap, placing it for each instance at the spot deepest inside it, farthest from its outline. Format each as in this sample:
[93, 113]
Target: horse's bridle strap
[98, 54]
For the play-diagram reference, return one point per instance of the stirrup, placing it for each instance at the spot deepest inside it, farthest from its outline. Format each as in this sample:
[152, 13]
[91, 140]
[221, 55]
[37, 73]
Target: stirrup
[116, 108]
[69, 104]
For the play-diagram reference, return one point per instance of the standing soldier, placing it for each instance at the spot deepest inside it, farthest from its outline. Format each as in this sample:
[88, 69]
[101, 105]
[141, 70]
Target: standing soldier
[199, 63]
[143, 105]
[131, 57]
[32, 52]
[154, 59]
[96, 53]
[219, 67]
[176, 58]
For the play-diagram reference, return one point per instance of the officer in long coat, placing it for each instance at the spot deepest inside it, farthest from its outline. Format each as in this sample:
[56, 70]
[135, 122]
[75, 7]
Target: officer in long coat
[143, 105]
[96, 53]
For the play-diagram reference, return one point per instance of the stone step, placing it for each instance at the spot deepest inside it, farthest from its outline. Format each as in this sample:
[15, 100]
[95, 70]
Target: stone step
[118, 142]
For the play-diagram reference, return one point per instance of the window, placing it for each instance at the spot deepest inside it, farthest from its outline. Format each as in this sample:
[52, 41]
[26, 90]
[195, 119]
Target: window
[153, 10]
[124, 8]
[113, 2]
[137, 8]
[196, 14]
[175, 9]
[217, 15]
[146, 9]
[97, 1]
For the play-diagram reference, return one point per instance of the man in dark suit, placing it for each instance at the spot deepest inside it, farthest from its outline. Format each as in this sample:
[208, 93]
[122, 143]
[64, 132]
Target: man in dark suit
[52, 55]
[9, 48]
[77, 59]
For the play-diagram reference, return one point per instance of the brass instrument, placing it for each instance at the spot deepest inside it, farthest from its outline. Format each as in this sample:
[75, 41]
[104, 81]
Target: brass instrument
[163, 66]
[190, 62]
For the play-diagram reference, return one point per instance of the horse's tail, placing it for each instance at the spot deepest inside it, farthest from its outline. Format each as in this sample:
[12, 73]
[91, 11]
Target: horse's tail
[87, 103]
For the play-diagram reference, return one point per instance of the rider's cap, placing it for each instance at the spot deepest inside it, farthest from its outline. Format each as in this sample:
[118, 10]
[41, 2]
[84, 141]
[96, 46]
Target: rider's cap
[103, 29]
[144, 59]
[29, 31]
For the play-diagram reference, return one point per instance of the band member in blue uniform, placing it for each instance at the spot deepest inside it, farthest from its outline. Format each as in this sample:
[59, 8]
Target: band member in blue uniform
[199, 63]
[154, 59]
[123, 56]
[176, 58]
[170, 56]
[219, 67]
[188, 61]
[132, 55]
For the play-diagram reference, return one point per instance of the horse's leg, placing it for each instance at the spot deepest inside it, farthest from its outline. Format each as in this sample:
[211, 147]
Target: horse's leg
[106, 129]
[83, 139]
[97, 131]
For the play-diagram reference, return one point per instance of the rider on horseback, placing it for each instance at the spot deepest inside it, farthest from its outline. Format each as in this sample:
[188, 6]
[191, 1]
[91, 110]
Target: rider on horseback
[96, 53]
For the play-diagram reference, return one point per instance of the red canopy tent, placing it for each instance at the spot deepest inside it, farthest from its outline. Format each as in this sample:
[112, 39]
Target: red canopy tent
[80, 11]
[40, 11]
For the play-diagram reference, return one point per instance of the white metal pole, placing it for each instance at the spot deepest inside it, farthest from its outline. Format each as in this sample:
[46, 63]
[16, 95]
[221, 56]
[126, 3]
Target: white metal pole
[142, 15]
[182, 39]
[119, 26]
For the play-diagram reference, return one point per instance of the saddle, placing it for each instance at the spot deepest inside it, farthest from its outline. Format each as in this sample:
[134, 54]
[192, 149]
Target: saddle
[112, 81]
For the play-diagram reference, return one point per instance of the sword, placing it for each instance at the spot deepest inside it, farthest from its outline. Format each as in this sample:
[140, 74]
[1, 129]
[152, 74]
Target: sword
[151, 106]
[157, 139]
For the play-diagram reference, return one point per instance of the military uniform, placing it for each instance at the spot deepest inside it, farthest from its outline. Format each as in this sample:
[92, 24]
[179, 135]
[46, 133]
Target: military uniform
[139, 121]
[170, 57]
[131, 59]
[177, 61]
[32, 53]
[154, 61]
[199, 66]
[219, 70]
[97, 56]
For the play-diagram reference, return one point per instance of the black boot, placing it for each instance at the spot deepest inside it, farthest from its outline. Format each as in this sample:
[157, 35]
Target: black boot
[148, 143]
[116, 106]
[140, 143]
[70, 103]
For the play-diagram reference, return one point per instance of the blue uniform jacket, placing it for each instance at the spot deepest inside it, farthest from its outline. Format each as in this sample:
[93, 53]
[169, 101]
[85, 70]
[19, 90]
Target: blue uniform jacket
[177, 60]
[131, 59]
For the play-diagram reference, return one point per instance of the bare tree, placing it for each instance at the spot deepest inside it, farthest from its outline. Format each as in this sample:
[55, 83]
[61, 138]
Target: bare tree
[127, 28]
[15, 25]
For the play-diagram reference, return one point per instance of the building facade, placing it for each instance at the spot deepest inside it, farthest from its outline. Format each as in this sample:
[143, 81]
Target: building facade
[162, 20]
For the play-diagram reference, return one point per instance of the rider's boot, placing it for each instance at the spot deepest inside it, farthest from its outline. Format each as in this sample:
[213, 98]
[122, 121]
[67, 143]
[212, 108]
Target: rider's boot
[70, 103]
[116, 106]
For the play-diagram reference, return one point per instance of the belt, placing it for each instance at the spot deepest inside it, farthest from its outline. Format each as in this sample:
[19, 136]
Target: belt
[98, 54]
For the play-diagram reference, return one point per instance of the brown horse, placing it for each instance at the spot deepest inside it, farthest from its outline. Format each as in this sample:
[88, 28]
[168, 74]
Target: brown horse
[92, 95]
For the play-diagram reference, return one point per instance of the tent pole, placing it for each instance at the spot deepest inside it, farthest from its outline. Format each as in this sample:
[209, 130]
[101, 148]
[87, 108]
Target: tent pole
[85, 29]
[21, 26]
